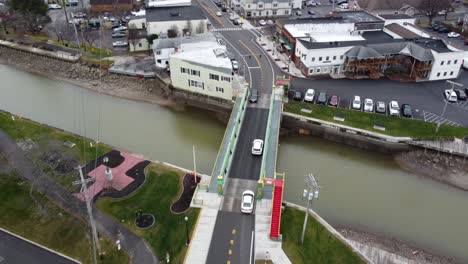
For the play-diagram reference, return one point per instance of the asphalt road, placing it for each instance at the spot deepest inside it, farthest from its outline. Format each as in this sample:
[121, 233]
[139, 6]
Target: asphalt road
[425, 97]
[17, 251]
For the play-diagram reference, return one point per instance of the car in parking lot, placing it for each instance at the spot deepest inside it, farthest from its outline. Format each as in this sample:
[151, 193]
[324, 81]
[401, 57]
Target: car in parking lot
[297, 96]
[298, 13]
[334, 100]
[253, 95]
[322, 98]
[436, 27]
[120, 44]
[309, 95]
[451, 96]
[119, 35]
[119, 28]
[344, 6]
[312, 3]
[356, 105]
[453, 35]
[368, 105]
[380, 107]
[262, 22]
[461, 95]
[310, 12]
[235, 64]
[54, 6]
[443, 30]
[79, 15]
[257, 147]
[406, 110]
[219, 13]
[393, 108]
[247, 202]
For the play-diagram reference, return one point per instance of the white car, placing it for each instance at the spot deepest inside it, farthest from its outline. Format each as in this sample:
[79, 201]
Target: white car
[312, 3]
[54, 6]
[368, 105]
[247, 202]
[119, 44]
[465, 63]
[219, 13]
[451, 96]
[309, 95]
[262, 22]
[393, 108]
[344, 6]
[257, 147]
[453, 35]
[356, 102]
[120, 28]
[235, 65]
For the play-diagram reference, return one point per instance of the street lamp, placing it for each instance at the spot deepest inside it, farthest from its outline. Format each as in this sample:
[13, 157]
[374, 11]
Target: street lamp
[309, 194]
[186, 228]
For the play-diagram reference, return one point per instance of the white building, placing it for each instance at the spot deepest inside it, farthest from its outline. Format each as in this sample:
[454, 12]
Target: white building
[265, 8]
[167, 3]
[400, 19]
[202, 68]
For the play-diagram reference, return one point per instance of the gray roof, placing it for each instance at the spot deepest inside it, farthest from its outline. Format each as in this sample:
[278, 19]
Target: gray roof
[166, 43]
[370, 37]
[395, 16]
[175, 13]
[336, 17]
[381, 50]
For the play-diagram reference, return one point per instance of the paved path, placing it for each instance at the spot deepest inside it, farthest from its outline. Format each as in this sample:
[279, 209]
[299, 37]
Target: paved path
[136, 247]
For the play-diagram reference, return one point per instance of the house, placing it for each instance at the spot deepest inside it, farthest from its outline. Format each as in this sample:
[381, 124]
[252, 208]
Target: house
[203, 68]
[137, 40]
[265, 8]
[99, 6]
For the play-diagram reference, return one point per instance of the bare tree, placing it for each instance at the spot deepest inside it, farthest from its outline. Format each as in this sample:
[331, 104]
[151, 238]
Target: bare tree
[188, 28]
[62, 31]
[6, 17]
[173, 31]
[200, 28]
[133, 36]
[89, 37]
[432, 7]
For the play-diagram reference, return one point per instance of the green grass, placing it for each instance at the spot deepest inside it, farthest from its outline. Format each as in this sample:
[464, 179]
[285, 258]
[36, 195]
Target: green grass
[320, 246]
[50, 226]
[394, 126]
[161, 188]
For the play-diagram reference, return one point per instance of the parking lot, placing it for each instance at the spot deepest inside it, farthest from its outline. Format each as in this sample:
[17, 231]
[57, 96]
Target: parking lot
[426, 98]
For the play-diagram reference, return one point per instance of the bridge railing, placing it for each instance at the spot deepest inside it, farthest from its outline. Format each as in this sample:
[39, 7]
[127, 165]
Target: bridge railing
[267, 137]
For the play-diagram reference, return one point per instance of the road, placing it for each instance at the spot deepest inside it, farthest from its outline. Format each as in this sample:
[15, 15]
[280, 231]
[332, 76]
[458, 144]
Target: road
[13, 249]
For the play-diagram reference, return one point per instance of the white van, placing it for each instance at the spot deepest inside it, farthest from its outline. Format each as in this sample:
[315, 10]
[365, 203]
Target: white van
[465, 63]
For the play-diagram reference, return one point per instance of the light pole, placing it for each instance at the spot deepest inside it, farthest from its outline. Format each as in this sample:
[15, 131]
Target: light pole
[446, 102]
[309, 193]
[186, 228]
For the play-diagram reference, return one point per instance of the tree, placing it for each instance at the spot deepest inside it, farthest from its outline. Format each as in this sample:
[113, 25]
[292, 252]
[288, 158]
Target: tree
[6, 17]
[200, 28]
[89, 36]
[189, 28]
[432, 7]
[32, 14]
[133, 36]
[150, 40]
[173, 32]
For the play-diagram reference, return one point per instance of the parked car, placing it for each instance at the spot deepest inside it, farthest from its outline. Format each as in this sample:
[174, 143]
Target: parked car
[223, 9]
[393, 108]
[236, 22]
[436, 27]
[368, 105]
[334, 100]
[297, 96]
[322, 98]
[262, 22]
[235, 65]
[356, 102]
[451, 96]
[219, 13]
[298, 13]
[119, 35]
[257, 147]
[79, 15]
[406, 110]
[54, 6]
[461, 95]
[310, 12]
[344, 6]
[120, 28]
[380, 107]
[453, 35]
[312, 3]
[253, 95]
[443, 30]
[120, 44]
[309, 95]
[248, 200]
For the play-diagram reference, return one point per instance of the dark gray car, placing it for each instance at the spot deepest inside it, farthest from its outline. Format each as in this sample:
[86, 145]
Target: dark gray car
[253, 96]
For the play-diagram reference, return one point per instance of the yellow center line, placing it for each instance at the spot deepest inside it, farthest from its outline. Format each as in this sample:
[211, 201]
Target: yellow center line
[213, 14]
[250, 50]
[233, 231]
[231, 242]
[230, 252]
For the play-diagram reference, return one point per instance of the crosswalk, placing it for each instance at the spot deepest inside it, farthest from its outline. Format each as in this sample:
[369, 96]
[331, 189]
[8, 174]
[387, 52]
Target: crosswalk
[227, 29]
[433, 118]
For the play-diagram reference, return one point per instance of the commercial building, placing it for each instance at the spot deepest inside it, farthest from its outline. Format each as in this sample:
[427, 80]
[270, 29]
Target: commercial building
[263, 8]
[203, 68]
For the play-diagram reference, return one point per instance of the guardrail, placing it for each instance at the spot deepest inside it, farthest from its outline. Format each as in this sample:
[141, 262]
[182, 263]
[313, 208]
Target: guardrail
[267, 137]
[51, 54]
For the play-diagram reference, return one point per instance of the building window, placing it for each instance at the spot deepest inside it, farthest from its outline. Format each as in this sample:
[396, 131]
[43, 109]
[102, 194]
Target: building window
[158, 52]
[442, 63]
[451, 73]
[214, 77]
[318, 70]
[334, 57]
[311, 71]
[286, 12]
[226, 79]
[260, 6]
[341, 57]
[327, 58]
[313, 58]
[274, 12]
[304, 56]
[248, 6]
[143, 25]
[196, 84]
[159, 61]
[445, 73]
[275, 5]
[448, 62]
[455, 61]
[325, 69]
[320, 58]
[219, 89]
[183, 70]
[438, 74]
[254, 14]
[195, 72]
[139, 45]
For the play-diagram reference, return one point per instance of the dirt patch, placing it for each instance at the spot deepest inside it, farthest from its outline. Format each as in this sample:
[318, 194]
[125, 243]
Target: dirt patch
[394, 246]
[183, 203]
[449, 169]
[61, 164]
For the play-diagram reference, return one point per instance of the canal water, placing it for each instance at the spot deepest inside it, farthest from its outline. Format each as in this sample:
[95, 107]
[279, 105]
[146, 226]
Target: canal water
[360, 189]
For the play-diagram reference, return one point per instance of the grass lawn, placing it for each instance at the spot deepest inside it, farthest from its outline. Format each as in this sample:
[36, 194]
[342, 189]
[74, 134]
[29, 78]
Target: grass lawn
[161, 188]
[320, 246]
[394, 126]
[51, 226]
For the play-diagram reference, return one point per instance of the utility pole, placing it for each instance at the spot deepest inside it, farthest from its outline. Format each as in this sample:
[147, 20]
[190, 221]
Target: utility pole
[309, 193]
[194, 166]
[84, 190]
[64, 4]
[446, 102]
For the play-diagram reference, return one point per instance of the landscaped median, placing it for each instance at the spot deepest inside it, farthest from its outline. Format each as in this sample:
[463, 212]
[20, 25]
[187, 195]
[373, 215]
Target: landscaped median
[320, 245]
[394, 126]
[162, 187]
